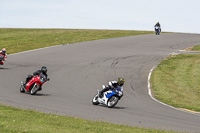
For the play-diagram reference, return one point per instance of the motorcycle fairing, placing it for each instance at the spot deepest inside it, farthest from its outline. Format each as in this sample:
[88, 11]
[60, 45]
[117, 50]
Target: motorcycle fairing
[31, 83]
[109, 94]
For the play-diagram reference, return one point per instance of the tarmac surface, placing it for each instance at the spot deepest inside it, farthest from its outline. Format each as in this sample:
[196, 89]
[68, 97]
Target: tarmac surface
[77, 70]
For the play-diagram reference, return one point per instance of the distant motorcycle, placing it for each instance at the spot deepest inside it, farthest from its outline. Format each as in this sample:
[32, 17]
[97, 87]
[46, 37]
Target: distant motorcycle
[157, 30]
[110, 98]
[34, 85]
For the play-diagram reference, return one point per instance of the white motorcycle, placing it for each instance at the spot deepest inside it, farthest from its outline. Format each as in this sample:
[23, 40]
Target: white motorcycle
[110, 98]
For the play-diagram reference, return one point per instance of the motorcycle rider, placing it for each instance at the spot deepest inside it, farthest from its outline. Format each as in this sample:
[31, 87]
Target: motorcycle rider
[158, 24]
[4, 55]
[42, 71]
[113, 85]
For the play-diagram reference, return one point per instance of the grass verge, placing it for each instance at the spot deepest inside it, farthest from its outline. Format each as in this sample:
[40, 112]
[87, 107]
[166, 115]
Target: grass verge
[176, 81]
[13, 120]
[17, 120]
[196, 48]
[17, 40]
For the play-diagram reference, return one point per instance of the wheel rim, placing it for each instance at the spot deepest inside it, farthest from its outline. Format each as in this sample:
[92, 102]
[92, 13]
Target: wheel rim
[34, 89]
[112, 101]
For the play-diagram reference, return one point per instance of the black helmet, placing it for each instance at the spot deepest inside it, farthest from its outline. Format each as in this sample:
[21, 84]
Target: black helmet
[120, 81]
[44, 69]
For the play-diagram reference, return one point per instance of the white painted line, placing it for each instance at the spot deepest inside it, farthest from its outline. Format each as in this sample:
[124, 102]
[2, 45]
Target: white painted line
[150, 94]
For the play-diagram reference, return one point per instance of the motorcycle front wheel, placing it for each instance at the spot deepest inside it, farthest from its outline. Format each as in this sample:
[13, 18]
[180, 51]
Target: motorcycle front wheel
[112, 101]
[34, 89]
[94, 100]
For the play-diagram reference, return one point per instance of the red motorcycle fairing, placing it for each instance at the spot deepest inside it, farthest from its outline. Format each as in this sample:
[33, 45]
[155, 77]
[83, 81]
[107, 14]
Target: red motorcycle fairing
[34, 81]
[3, 57]
[1, 63]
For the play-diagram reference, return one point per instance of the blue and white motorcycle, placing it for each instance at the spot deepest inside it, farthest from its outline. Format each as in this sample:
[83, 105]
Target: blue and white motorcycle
[110, 98]
[157, 30]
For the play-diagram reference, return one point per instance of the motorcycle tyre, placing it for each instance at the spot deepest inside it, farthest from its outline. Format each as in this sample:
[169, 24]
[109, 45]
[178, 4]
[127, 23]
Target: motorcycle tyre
[34, 90]
[22, 89]
[111, 106]
[94, 100]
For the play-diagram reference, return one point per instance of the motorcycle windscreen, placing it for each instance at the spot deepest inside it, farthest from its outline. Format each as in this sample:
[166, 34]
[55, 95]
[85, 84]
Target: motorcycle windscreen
[41, 80]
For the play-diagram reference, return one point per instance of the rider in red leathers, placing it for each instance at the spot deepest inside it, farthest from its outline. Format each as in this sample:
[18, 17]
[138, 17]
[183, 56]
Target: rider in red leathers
[3, 56]
[43, 72]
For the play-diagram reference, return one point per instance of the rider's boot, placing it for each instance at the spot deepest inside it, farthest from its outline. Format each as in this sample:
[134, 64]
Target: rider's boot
[100, 95]
[1, 63]
[102, 91]
[24, 84]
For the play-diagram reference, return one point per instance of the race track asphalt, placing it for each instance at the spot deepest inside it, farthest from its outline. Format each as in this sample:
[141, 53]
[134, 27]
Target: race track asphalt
[78, 70]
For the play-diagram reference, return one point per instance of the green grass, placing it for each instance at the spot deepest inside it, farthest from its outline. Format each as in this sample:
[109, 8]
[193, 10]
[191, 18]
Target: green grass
[14, 120]
[176, 81]
[196, 48]
[17, 40]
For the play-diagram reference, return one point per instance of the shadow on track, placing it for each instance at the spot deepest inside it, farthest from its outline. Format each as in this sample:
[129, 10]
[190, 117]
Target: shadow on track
[3, 68]
[116, 107]
[37, 94]
[119, 107]
[41, 94]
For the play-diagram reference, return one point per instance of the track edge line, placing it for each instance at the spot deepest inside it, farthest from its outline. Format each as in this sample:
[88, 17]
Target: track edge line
[150, 94]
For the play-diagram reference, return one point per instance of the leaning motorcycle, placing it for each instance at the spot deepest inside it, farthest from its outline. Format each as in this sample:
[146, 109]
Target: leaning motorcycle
[110, 98]
[2, 58]
[157, 30]
[34, 85]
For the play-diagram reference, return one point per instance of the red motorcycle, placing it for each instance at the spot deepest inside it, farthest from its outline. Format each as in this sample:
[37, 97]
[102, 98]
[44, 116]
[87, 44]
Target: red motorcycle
[2, 58]
[34, 85]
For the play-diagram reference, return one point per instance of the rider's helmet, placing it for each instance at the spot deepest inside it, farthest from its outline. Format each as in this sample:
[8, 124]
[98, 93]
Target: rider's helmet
[4, 51]
[120, 81]
[44, 69]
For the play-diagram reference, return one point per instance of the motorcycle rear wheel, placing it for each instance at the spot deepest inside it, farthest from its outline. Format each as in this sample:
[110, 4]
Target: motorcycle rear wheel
[112, 101]
[94, 100]
[22, 89]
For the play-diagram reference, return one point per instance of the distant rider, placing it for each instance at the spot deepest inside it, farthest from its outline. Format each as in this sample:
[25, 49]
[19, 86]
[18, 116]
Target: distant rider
[158, 24]
[42, 71]
[113, 85]
[3, 56]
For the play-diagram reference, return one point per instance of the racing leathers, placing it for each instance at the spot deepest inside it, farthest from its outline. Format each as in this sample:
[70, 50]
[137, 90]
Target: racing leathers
[112, 85]
[3, 57]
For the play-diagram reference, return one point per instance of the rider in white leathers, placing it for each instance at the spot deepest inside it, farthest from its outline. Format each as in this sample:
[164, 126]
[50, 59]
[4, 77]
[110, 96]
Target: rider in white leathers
[113, 85]
[158, 24]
